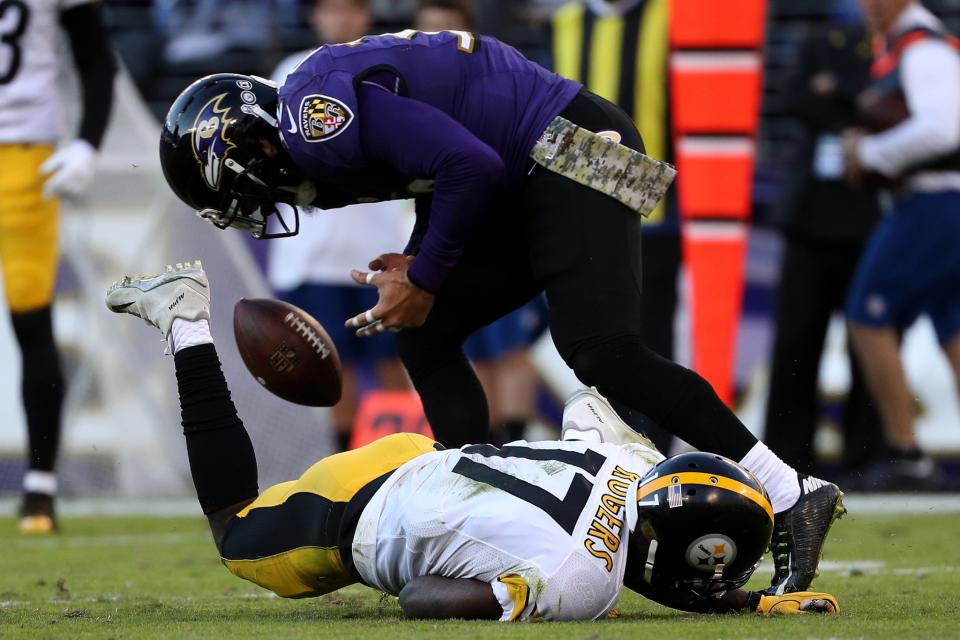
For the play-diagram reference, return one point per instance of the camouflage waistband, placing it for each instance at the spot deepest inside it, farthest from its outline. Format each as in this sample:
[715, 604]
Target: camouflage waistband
[628, 176]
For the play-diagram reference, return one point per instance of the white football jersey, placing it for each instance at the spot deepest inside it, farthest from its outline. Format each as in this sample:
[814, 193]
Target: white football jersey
[31, 53]
[545, 523]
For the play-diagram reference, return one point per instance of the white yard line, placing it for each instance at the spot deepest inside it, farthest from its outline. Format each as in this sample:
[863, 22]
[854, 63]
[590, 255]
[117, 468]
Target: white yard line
[903, 503]
[70, 601]
[126, 540]
[116, 507]
[871, 567]
[857, 504]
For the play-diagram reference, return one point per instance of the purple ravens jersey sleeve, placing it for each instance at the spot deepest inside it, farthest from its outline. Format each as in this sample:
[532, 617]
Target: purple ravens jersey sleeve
[501, 97]
[319, 126]
[460, 112]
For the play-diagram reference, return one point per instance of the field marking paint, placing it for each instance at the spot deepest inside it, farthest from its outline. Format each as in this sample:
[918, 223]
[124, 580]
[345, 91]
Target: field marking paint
[70, 541]
[146, 598]
[902, 503]
[115, 507]
[858, 504]
[872, 567]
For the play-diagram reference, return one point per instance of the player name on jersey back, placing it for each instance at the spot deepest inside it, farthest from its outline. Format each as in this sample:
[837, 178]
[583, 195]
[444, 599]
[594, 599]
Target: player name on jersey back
[553, 513]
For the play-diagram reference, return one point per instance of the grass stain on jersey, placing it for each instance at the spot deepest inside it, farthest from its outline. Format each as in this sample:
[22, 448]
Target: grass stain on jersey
[552, 467]
[473, 488]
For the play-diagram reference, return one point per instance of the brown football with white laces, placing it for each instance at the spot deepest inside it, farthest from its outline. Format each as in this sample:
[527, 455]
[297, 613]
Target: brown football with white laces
[287, 351]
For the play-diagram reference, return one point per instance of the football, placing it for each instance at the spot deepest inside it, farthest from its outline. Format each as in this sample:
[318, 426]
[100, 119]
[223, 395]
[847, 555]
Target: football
[287, 351]
[881, 111]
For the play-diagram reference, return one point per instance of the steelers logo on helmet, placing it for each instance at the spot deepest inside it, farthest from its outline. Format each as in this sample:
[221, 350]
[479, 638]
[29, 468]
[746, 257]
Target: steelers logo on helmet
[323, 118]
[210, 139]
[706, 552]
[703, 524]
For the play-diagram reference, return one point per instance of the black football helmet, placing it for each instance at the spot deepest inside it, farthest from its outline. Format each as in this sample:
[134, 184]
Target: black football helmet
[221, 154]
[703, 524]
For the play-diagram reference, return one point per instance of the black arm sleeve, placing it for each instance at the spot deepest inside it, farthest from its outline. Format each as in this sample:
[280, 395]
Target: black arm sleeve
[436, 597]
[95, 66]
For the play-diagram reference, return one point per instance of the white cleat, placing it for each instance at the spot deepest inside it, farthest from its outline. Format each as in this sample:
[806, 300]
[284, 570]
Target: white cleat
[182, 291]
[588, 416]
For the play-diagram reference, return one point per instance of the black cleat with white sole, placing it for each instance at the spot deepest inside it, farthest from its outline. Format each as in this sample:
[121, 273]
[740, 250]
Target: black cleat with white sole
[799, 533]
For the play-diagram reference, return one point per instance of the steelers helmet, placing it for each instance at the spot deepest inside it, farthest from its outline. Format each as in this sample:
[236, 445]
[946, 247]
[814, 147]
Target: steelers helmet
[221, 154]
[703, 524]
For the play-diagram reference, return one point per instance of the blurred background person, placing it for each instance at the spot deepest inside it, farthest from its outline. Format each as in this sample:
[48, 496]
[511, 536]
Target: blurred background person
[394, 15]
[201, 29]
[33, 177]
[500, 351]
[444, 15]
[825, 223]
[619, 49]
[910, 264]
[312, 269]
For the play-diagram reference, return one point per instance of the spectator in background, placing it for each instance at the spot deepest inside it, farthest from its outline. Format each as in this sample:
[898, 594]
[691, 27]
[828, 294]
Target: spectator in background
[444, 15]
[911, 264]
[200, 29]
[500, 351]
[312, 269]
[393, 13]
[618, 49]
[521, 23]
[825, 225]
[33, 177]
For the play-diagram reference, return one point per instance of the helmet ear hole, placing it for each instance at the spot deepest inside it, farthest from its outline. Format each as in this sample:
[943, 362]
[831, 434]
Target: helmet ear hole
[691, 492]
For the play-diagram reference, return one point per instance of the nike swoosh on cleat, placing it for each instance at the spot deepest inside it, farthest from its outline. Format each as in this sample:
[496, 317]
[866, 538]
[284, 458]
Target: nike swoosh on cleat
[122, 307]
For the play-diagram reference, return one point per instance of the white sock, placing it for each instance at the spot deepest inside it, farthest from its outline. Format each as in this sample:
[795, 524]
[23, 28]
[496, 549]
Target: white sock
[186, 333]
[778, 478]
[40, 482]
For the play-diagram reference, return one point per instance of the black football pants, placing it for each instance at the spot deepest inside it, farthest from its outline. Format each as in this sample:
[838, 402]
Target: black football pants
[814, 279]
[583, 248]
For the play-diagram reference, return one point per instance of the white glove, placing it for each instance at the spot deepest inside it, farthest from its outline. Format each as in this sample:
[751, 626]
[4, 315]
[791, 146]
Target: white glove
[72, 168]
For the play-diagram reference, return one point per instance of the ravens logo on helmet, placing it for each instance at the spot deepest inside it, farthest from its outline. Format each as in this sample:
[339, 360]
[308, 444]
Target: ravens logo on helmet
[221, 154]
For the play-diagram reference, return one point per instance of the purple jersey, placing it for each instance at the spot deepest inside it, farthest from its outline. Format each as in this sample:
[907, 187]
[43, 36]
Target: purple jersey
[395, 115]
[501, 97]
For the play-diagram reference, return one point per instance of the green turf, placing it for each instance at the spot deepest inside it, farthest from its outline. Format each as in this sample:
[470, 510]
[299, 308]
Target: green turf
[160, 578]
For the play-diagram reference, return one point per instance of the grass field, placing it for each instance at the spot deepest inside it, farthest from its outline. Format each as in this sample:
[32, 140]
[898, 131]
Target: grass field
[113, 577]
